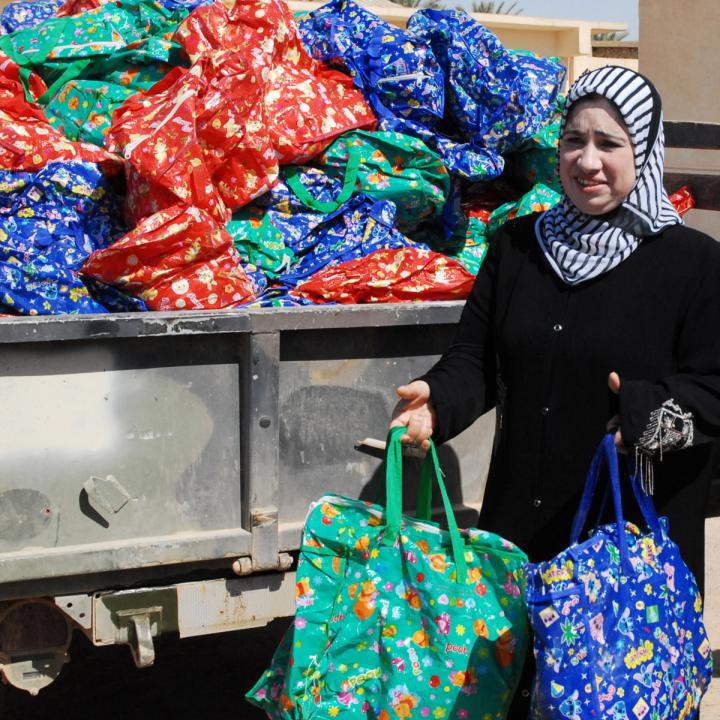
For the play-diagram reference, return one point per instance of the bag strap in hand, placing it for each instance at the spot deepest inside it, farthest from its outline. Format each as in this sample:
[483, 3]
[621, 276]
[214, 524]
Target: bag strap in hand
[606, 453]
[292, 178]
[393, 481]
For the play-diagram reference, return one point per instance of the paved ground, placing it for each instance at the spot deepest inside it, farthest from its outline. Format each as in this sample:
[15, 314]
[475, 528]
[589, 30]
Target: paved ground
[195, 679]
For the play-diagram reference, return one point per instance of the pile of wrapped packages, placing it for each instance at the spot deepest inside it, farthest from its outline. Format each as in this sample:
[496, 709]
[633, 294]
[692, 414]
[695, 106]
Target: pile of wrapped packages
[187, 154]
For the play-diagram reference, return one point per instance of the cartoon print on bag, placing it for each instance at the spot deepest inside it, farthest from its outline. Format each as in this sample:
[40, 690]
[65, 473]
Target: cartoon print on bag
[364, 606]
[618, 711]
[571, 707]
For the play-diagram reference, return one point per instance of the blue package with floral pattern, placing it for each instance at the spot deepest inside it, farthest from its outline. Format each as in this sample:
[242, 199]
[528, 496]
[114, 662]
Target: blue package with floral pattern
[50, 221]
[496, 98]
[358, 228]
[617, 619]
[27, 13]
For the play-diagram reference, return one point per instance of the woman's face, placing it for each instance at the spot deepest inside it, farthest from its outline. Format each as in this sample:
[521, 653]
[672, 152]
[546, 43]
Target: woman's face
[597, 163]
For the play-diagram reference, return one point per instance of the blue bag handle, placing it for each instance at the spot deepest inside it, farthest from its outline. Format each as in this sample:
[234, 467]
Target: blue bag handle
[606, 452]
[393, 480]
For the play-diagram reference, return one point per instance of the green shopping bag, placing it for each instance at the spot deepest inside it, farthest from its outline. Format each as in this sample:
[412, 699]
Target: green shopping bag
[397, 618]
[82, 109]
[385, 166]
[259, 241]
[94, 43]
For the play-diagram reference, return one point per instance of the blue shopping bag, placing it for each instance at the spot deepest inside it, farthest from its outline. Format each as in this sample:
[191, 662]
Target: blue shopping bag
[617, 618]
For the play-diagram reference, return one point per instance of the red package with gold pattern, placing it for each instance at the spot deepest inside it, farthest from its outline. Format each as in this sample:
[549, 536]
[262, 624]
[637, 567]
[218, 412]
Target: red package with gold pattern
[198, 136]
[401, 275]
[27, 140]
[177, 259]
[307, 105]
[682, 200]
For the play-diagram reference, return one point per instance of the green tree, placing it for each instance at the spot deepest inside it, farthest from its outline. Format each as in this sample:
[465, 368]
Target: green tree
[610, 36]
[434, 4]
[496, 8]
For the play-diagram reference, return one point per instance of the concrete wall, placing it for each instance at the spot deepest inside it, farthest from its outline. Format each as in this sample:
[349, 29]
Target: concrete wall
[679, 52]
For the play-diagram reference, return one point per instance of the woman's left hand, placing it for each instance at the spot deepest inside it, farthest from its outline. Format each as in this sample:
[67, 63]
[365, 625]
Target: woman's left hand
[614, 422]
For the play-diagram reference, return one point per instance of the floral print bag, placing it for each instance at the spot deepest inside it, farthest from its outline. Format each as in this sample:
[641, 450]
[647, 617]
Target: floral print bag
[617, 619]
[397, 618]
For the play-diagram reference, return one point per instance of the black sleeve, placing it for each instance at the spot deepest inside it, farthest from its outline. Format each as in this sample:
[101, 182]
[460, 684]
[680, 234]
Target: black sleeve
[462, 382]
[683, 409]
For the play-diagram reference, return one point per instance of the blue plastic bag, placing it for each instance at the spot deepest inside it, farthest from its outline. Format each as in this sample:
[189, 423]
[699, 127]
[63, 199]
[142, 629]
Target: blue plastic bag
[397, 72]
[617, 619]
[27, 13]
[399, 76]
[495, 98]
[50, 221]
[358, 228]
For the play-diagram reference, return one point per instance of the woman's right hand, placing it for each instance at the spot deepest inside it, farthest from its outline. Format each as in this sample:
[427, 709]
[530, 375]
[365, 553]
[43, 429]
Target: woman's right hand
[415, 411]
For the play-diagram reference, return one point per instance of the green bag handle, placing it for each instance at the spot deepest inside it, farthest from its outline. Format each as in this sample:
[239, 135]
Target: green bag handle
[424, 498]
[393, 480]
[292, 177]
[72, 71]
[29, 63]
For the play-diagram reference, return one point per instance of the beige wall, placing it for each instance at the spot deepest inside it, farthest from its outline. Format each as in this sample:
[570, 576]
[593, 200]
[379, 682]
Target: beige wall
[680, 53]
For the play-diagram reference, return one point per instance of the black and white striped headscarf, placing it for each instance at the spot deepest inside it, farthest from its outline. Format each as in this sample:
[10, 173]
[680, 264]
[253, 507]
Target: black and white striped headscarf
[579, 246]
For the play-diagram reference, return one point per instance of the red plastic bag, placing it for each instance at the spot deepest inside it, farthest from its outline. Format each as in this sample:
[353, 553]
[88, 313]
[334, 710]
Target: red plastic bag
[401, 275]
[682, 200]
[27, 140]
[197, 137]
[178, 259]
[307, 105]
[77, 7]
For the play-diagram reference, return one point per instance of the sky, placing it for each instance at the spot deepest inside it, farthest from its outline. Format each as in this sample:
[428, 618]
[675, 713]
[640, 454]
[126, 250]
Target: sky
[608, 10]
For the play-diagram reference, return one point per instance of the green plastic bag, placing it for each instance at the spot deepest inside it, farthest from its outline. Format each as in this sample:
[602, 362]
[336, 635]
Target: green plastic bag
[82, 110]
[539, 199]
[94, 43]
[473, 250]
[259, 241]
[385, 166]
[397, 618]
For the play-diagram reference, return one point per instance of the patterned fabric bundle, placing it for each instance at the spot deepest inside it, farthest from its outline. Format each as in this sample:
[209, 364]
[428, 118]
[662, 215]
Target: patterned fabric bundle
[475, 245]
[65, 48]
[178, 259]
[27, 14]
[197, 137]
[307, 105]
[425, 79]
[397, 71]
[682, 200]
[50, 221]
[496, 98]
[355, 230]
[539, 199]
[287, 214]
[385, 166]
[617, 619]
[404, 275]
[27, 141]
[399, 75]
[536, 160]
[397, 618]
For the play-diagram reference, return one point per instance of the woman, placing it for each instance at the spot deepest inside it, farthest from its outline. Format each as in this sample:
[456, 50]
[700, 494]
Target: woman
[604, 306]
